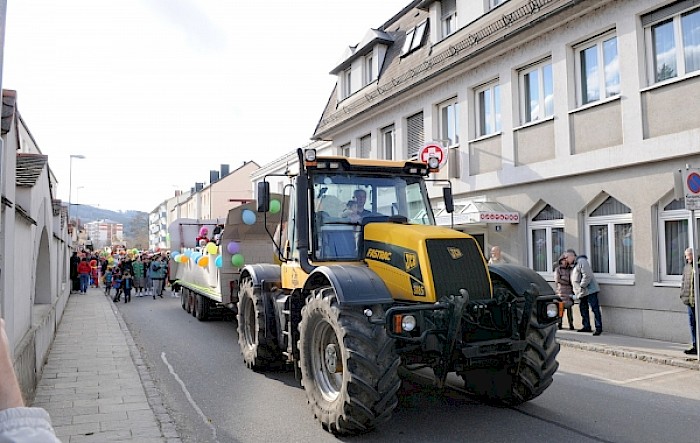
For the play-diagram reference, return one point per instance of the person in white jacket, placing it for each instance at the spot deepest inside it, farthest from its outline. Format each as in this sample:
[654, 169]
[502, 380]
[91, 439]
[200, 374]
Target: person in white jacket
[19, 424]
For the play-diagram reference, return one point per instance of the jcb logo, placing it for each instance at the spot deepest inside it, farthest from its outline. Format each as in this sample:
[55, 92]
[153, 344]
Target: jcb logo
[418, 289]
[455, 253]
[411, 261]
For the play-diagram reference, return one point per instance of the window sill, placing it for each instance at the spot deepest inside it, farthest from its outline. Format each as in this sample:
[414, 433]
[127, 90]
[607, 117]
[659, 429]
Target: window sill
[596, 103]
[666, 284]
[670, 81]
[485, 137]
[534, 123]
[614, 280]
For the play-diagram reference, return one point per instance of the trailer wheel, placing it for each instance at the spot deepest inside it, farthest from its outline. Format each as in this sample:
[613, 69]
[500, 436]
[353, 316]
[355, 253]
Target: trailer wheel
[522, 380]
[188, 302]
[348, 366]
[256, 336]
[201, 302]
[193, 303]
[183, 298]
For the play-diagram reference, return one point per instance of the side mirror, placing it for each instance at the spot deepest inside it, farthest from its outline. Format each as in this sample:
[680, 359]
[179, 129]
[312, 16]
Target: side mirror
[449, 201]
[263, 196]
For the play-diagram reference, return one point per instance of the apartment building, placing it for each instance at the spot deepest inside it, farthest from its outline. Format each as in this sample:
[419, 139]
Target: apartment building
[104, 233]
[562, 122]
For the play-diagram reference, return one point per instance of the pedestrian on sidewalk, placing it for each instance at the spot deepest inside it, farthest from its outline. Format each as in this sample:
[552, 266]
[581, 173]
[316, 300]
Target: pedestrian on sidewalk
[108, 281]
[74, 276]
[17, 422]
[84, 271]
[688, 297]
[149, 275]
[562, 278]
[586, 291]
[117, 284]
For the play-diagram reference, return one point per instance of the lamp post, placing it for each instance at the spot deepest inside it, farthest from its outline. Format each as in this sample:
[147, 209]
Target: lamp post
[70, 179]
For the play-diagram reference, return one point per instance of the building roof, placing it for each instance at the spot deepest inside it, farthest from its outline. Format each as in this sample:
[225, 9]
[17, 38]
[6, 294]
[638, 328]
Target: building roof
[29, 168]
[9, 100]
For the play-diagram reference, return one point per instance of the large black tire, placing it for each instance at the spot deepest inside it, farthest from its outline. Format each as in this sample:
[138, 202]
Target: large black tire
[256, 335]
[188, 299]
[202, 307]
[183, 298]
[524, 380]
[348, 366]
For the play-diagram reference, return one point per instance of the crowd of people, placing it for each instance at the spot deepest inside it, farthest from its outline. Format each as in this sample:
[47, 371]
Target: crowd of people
[120, 274]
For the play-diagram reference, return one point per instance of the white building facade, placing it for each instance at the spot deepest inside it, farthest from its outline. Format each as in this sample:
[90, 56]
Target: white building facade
[104, 233]
[574, 116]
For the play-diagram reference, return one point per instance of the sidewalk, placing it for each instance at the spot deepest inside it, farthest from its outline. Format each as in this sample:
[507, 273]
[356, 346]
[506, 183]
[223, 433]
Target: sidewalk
[654, 351]
[95, 385]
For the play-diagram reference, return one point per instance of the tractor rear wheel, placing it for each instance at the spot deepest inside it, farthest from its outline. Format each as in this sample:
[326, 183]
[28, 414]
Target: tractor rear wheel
[256, 337]
[348, 365]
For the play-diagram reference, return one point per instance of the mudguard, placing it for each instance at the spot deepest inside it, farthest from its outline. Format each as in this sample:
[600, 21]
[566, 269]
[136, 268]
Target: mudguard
[354, 285]
[519, 278]
[269, 273]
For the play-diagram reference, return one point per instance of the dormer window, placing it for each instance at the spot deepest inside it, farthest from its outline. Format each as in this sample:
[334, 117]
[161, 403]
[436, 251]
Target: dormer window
[414, 38]
[347, 83]
[448, 17]
[369, 69]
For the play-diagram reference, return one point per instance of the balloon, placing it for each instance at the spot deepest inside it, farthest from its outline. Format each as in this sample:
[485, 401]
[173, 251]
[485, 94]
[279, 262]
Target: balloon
[174, 257]
[187, 253]
[175, 252]
[237, 260]
[183, 258]
[219, 262]
[212, 248]
[248, 217]
[233, 247]
[195, 256]
[275, 206]
[203, 261]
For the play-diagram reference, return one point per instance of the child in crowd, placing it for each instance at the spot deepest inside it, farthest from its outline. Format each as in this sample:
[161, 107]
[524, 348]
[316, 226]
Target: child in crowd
[127, 284]
[108, 280]
[117, 285]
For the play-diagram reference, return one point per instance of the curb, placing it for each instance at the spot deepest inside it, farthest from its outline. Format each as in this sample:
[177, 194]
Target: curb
[689, 363]
[155, 401]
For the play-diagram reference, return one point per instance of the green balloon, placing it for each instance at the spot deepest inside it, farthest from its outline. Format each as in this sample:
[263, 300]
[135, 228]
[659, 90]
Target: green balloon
[275, 206]
[237, 260]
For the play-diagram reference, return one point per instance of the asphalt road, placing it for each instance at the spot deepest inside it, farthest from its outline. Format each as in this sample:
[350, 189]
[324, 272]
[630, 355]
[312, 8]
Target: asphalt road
[213, 397]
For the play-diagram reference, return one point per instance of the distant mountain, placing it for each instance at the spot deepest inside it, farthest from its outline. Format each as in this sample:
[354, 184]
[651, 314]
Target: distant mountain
[87, 213]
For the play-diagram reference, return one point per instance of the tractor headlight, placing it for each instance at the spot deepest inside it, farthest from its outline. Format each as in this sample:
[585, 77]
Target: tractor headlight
[433, 163]
[408, 323]
[552, 310]
[310, 155]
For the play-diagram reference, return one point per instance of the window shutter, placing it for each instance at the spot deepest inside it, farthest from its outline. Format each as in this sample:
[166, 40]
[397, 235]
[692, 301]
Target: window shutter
[416, 135]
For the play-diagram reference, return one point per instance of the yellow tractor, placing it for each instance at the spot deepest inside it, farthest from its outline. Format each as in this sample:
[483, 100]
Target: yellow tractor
[367, 284]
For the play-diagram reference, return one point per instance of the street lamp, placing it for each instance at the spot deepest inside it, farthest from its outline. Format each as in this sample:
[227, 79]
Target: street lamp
[70, 179]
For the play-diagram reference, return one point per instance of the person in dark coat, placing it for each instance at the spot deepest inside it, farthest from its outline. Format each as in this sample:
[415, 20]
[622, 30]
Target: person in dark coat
[74, 277]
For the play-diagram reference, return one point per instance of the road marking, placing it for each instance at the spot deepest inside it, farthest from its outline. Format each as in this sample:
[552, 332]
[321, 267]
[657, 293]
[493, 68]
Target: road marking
[189, 397]
[631, 380]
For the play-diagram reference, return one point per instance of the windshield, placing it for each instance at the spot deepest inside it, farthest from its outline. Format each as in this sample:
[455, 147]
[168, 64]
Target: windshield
[342, 200]
[352, 196]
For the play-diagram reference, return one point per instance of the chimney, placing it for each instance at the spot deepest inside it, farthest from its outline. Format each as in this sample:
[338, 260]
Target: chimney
[178, 193]
[198, 187]
[224, 171]
[213, 176]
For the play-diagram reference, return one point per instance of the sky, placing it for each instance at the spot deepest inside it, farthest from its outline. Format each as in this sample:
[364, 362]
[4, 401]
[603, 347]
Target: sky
[156, 93]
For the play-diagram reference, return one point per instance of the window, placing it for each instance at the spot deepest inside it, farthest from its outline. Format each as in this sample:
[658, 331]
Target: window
[537, 92]
[448, 18]
[673, 39]
[494, 3]
[674, 238]
[610, 238]
[416, 136]
[345, 150]
[488, 103]
[546, 236]
[369, 69]
[347, 83]
[598, 69]
[414, 38]
[388, 142]
[365, 146]
[448, 121]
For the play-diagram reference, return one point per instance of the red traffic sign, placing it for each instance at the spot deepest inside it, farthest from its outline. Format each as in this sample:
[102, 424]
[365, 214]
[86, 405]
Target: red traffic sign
[432, 150]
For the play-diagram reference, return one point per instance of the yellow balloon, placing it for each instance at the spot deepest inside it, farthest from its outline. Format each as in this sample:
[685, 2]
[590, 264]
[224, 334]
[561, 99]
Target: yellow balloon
[203, 262]
[212, 248]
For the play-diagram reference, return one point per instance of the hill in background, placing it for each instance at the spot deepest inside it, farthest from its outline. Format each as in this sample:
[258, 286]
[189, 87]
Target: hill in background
[135, 222]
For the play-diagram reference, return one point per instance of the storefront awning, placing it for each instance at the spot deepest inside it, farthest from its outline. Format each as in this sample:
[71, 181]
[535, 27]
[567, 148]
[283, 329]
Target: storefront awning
[477, 213]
